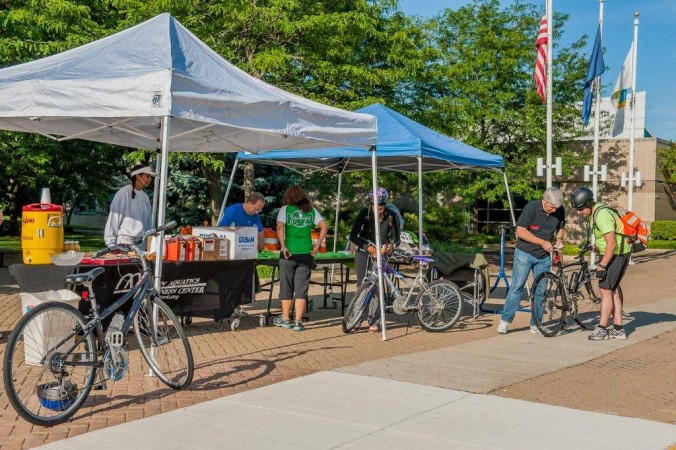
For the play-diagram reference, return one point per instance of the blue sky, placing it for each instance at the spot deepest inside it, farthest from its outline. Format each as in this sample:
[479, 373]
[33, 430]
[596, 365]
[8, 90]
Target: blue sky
[656, 43]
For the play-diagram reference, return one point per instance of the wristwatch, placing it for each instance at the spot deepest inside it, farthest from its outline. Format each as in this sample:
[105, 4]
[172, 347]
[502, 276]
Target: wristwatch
[603, 266]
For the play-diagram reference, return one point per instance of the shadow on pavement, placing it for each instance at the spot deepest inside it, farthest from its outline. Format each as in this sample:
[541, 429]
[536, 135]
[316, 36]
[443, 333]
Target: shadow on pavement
[638, 258]
[642, 318]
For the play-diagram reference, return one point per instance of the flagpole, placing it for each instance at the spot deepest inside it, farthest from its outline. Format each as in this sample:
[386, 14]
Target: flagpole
[597, 134]
[634, 58]
[550, 58]
[597, 116]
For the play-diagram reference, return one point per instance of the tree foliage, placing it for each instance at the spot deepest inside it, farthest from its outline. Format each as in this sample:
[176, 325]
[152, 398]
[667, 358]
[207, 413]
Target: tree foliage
[466, 73]
[479, 88]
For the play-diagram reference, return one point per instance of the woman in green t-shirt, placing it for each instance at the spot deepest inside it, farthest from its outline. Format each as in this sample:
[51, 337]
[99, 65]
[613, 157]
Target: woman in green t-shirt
[294, 228]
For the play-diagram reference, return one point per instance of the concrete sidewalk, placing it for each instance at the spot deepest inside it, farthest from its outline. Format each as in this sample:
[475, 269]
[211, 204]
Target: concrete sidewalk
[431, 399]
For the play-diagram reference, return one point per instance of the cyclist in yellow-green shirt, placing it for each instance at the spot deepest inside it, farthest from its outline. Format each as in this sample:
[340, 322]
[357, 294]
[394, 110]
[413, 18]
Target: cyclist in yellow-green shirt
[615, 250]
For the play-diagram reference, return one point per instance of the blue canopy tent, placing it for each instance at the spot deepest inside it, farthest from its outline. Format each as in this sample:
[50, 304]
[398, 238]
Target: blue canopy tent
[403, 145]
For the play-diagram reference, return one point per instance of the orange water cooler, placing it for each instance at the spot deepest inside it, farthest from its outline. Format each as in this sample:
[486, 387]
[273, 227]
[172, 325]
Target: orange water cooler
[271, 240]
[41, 232]
[315, 238]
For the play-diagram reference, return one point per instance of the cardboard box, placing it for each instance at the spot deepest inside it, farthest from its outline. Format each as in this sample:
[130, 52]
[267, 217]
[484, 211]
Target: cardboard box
[214, 248]
[243, 241]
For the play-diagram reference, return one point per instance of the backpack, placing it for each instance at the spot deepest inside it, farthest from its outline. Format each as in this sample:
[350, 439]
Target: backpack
[397, 213]
[635, 230]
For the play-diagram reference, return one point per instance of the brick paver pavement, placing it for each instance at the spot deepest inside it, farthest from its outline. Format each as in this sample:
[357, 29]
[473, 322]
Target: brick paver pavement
[229, 362]
[637, 381]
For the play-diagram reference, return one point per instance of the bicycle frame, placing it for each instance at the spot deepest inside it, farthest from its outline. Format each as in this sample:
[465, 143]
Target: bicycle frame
[94, 325]
[388, 273]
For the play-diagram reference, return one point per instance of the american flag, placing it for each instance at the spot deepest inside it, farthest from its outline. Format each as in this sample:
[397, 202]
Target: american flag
[541, 62]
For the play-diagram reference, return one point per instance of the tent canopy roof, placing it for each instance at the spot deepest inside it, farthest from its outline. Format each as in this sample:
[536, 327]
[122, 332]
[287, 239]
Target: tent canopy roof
[400, 141]
[116, 90]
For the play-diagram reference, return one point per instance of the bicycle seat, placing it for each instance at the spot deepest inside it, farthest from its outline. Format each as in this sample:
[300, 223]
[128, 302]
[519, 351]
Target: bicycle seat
[84, 278]
[422, 258]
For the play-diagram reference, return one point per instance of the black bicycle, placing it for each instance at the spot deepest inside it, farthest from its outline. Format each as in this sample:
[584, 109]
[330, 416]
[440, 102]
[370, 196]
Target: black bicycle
[54, 354]
[567, 290]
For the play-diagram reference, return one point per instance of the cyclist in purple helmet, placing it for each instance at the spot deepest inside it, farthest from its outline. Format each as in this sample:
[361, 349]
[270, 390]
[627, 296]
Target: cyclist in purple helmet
[363, 231]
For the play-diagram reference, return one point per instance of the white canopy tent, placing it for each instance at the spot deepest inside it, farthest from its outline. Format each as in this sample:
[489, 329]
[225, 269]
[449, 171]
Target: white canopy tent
[156, 85]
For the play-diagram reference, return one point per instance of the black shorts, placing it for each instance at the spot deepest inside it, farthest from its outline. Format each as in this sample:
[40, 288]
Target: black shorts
[294, 276]
[615, 272]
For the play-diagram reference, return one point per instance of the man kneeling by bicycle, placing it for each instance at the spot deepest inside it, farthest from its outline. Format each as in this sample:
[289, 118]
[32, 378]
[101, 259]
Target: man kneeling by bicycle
[615, 250]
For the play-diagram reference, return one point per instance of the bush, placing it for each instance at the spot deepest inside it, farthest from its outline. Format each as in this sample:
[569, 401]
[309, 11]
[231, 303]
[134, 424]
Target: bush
[663, 230]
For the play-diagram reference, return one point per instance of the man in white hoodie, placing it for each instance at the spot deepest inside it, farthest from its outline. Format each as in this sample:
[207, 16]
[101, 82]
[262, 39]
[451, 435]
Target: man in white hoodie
[130, 212]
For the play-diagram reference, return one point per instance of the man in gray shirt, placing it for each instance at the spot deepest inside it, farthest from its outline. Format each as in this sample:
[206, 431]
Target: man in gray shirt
[130, 212]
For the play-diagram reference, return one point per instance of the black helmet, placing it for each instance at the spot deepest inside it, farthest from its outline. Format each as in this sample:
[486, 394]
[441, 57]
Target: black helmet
[582, 198]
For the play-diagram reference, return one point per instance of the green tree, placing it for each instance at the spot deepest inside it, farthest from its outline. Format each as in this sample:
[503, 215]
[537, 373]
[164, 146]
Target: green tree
[32, 29]
[480, 89]
[667, 159]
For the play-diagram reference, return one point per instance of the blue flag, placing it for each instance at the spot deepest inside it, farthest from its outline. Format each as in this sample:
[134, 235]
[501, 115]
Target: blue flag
[596, 68]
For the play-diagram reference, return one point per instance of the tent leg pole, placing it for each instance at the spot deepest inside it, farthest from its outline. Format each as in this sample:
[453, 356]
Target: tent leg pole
[509, 198]
[420, 207]
[379, 256]
[227, 191]
[156, 187]
[161, 201]
[335, 226]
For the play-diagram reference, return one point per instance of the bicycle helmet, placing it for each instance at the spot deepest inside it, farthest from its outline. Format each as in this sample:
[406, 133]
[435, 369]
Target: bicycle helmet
[382, 195]
[582, 198]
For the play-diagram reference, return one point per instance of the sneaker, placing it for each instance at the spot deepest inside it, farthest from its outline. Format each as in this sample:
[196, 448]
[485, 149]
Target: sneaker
[502, 327]
[534, 329]
[598, 334]
[279, 321]
[298, 326]
[617, 334]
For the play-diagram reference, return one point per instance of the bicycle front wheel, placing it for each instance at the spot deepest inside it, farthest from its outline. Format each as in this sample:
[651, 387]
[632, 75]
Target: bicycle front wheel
[439, 306]
[46, 376]
[588, 304]
[354, 312]
[548, 304]
[163, 343]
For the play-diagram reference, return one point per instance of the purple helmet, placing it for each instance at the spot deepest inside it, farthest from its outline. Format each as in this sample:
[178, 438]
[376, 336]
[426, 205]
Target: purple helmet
[382, 195]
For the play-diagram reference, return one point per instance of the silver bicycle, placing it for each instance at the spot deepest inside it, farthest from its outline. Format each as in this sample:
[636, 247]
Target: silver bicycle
[438, 303]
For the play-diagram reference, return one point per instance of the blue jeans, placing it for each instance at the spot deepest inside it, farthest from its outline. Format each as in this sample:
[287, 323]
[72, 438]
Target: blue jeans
[523, 263]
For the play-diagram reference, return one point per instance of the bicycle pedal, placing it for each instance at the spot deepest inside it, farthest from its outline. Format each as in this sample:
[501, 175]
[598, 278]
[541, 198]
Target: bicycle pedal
[116, 339]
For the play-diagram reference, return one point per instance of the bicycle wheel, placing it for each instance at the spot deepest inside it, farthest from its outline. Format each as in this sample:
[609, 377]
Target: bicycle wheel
[547, 293]
[439, 306]
[43, 383]
[588, 304]
[166, 350]
[354, 312]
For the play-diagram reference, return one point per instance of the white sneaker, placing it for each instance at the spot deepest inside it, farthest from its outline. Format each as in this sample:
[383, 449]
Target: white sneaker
[534, 329]
[502, 327]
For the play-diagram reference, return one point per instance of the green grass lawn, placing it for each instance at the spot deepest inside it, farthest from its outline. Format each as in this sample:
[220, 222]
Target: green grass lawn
[88, 242]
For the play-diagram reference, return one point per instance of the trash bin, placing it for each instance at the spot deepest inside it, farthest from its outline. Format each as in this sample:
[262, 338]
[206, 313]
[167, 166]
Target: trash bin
[40, 336]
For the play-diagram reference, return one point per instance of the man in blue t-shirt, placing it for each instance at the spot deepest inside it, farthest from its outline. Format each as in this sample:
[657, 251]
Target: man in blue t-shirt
[246, 215]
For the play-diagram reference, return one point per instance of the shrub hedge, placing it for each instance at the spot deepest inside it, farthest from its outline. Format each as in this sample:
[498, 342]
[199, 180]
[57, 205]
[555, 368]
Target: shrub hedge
[664, 230]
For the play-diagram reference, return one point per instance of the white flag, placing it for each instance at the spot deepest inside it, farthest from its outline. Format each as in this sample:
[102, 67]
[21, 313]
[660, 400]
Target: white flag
[621, 93]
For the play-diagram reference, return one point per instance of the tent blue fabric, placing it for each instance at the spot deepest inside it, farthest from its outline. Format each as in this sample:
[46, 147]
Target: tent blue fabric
[399, 142]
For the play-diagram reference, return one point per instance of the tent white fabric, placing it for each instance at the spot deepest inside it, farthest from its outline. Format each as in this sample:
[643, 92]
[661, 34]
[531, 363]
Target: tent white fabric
[116, 89]
[156, 85]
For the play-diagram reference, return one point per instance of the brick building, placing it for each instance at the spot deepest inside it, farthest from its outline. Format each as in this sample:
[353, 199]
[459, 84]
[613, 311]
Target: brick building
[653, 200]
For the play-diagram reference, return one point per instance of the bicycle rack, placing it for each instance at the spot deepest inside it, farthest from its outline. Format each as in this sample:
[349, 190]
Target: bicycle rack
[502, 275]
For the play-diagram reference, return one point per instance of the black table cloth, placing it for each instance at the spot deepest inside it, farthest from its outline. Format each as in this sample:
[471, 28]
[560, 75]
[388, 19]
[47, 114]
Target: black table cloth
[211, 289]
